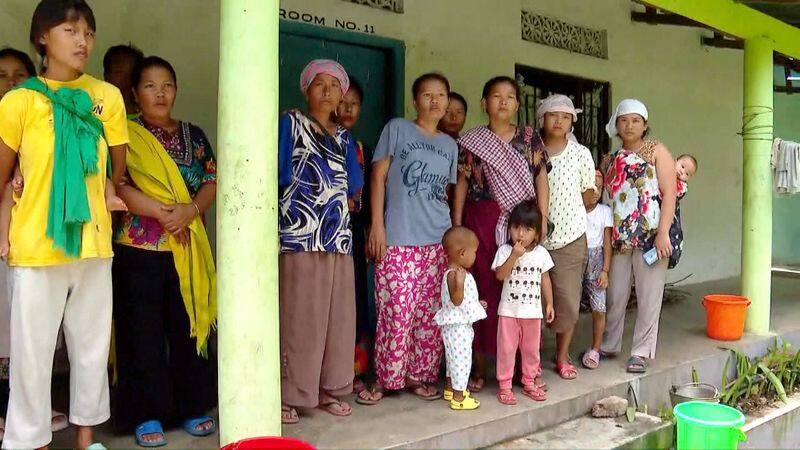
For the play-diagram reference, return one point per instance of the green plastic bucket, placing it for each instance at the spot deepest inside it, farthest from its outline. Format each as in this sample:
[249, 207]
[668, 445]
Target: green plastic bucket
[703, 425]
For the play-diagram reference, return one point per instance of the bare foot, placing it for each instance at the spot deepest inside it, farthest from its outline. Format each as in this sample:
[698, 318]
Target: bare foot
[204, 426]
[114, 203]
[333, 405]
[83, 437]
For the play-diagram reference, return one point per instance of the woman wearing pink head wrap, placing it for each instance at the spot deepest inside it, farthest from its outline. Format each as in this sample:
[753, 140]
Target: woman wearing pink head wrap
[317, 160]
[571, 179]
[324, 66]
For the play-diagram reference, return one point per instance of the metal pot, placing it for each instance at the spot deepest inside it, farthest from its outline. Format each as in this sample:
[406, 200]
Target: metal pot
[703, 392]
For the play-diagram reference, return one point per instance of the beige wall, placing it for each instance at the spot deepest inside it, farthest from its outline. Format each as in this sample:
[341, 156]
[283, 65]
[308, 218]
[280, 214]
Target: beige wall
[694, 93]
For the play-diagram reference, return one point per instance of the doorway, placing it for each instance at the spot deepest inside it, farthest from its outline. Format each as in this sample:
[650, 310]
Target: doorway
[376, 62]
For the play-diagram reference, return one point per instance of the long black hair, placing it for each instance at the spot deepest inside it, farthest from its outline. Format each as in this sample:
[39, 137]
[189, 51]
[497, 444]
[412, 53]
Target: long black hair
[20, 56]
[148, 62]
[116, 51]
[417, 86]
[456, 96]
[527, 214]
[489, 85]
[52, 13]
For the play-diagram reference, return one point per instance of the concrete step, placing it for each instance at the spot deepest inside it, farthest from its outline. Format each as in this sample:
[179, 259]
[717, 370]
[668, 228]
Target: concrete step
[646, 432]
[403, 421]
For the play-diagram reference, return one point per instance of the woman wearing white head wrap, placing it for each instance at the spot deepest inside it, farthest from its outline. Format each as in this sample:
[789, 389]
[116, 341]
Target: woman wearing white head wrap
[626, 107]
[640, 183]
[571, 178]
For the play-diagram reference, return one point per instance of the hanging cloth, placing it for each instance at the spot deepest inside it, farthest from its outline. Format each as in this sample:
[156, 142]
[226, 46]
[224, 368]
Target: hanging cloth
[156, 174]
[507, 173]
[786, 166]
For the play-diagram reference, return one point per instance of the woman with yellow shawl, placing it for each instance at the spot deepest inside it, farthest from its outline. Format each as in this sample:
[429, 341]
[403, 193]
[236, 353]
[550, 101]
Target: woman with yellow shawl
[163, 272]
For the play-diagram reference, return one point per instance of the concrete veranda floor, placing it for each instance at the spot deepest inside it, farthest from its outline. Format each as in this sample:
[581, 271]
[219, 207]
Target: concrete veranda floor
[404, 421]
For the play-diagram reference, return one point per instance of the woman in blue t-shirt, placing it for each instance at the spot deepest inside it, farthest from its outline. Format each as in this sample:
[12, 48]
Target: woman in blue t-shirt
[413, 165]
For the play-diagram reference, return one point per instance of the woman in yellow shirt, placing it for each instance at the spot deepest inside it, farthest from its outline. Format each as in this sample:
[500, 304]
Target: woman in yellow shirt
[61, 128]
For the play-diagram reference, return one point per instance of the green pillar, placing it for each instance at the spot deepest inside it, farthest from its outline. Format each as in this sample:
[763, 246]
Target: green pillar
[247, 212]
[757, 189]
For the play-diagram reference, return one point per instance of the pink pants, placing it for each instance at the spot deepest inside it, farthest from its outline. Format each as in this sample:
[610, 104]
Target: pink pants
[408, 285]
[525, 334]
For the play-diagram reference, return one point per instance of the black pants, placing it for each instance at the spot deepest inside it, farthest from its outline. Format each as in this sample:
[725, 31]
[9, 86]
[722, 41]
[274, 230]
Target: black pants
[4, 391]
[360, 272]
[161, 376]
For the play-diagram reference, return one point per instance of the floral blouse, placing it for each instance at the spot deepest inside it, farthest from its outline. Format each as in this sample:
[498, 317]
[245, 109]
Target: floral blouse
[525, 140]
[634, 196]
[190, 149]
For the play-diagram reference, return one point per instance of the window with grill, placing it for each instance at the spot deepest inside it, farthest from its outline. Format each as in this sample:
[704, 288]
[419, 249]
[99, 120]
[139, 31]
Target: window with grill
[591, 96]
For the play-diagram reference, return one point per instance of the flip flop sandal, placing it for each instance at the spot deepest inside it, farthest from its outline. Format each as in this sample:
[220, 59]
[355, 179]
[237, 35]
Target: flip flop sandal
[539, 381]
[636, 364]
[567, 371]
[506, 397]
[429, 397]
[372, 400]
[58, 421]
[150, 427]
[591, 359]
[358, 386]
[476, 384]
[191, 426]
[534, 393]
[467, 404]
[329, 406]
[569, 359]
[289, 415]
[96, 446]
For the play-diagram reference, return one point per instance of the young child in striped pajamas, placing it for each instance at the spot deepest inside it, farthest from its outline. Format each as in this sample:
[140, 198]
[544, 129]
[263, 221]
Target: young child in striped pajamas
[460, 309]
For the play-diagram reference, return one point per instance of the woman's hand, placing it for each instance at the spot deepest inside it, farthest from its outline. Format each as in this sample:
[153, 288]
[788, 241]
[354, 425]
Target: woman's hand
[183, 236]
[549, 314]
[377, 243]
[543, 235]
[663, 245]
[602, 281]
[178, 216]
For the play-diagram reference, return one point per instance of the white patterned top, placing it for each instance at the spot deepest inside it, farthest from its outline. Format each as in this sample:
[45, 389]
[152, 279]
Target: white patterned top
[470, 309]
[522, 290]
[572, 174]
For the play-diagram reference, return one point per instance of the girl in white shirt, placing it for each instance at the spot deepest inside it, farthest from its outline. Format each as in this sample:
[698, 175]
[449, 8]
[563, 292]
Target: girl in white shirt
[523, 268]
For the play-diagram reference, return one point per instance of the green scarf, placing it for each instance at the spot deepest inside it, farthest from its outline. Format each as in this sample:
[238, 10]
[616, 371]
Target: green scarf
[74, 157]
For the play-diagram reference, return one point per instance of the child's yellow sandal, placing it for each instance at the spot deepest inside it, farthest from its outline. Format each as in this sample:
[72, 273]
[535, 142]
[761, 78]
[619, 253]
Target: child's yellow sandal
[447, 395]
[468, 403]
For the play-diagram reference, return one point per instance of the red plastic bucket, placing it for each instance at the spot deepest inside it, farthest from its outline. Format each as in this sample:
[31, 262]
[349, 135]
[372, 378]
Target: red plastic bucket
[725, 316]
[269, 443]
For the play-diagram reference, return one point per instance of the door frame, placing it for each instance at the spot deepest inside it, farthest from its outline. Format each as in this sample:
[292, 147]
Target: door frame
[394, 49]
